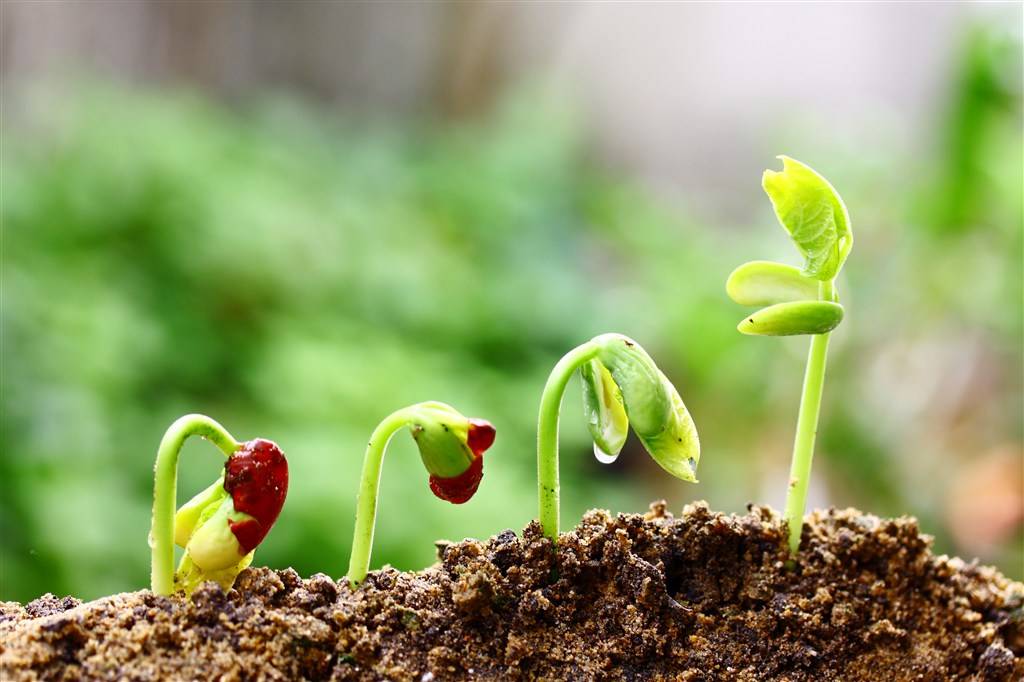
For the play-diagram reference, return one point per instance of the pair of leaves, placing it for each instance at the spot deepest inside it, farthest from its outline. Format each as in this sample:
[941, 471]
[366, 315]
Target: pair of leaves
[815, 217]
[622, 387]
[791, 297]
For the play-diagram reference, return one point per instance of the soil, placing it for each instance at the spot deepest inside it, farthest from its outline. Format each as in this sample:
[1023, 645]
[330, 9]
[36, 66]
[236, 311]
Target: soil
[705, 596]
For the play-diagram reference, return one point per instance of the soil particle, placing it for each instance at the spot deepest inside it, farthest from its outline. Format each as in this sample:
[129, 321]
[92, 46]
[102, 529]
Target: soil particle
[704, 596]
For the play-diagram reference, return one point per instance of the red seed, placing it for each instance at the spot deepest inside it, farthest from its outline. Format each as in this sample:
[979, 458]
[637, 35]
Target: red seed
[256, 477]
[481, 436]
[459, 489]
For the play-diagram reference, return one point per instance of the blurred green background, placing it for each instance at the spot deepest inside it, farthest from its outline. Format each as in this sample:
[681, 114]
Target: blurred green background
[299, 257]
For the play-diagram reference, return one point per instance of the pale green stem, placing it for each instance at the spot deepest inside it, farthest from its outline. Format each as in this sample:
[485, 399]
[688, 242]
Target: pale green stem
[366, 503]
[165, 485]
[547, 434]
[807, 429]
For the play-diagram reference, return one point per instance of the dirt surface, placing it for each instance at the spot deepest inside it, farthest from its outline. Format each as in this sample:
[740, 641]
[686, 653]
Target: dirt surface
[704, 596]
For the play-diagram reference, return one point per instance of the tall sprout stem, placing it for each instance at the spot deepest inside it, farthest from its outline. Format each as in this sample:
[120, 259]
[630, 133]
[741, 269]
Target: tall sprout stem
[547, 434]
[165, 484]
[366, 503]
[807, 429]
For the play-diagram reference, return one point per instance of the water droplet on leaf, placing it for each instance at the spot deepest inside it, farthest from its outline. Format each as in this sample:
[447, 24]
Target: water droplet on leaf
[602, 456]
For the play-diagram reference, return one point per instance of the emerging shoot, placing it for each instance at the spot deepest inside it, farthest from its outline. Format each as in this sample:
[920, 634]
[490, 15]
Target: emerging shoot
[799, 301]
[622, 387]
[220, 527]
[451, 447]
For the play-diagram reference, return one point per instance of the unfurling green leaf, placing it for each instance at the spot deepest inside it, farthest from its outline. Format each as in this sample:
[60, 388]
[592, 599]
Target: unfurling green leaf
[810, 209]
[652, 406]
[762, 282]
[792, 319]
[603, 408]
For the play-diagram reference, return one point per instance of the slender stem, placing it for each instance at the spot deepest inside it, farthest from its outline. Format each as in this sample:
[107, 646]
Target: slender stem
[807, 429]
[366, 503]
[547, 434]
[165, 484]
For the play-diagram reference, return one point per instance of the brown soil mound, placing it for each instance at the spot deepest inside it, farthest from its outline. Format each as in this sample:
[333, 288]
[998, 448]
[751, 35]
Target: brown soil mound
[702, 597]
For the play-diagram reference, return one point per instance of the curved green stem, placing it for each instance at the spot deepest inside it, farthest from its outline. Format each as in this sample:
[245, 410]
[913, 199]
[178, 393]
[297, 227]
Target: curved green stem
[807, 429]
[547, 434]
[366, 503]
[161, 534]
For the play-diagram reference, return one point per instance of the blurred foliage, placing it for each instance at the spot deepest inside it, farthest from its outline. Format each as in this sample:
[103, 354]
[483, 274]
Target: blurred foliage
[298, 277]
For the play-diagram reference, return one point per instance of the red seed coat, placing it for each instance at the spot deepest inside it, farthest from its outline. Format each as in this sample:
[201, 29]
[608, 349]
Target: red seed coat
[461, 488]
[481, 436]
[256, 477]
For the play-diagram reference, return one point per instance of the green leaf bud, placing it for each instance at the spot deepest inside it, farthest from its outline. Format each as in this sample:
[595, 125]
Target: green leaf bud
[644, 397]
[652, 405]
[451, 446]
[441, 433]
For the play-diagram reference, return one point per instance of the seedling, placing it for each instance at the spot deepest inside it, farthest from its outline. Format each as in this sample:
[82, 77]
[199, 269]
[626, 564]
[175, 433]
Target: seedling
[451, 447]
[621, 387]
[799, 301]
[221, 526]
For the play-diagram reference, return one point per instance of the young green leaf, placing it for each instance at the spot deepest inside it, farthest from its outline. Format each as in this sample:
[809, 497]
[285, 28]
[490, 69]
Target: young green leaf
[602, 406]
[810, 209]
[792, 319]
[761, 282]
